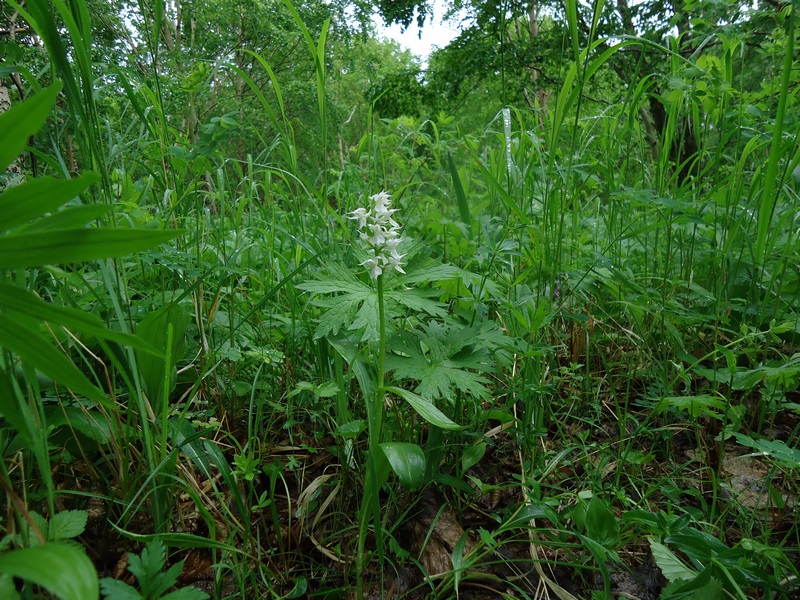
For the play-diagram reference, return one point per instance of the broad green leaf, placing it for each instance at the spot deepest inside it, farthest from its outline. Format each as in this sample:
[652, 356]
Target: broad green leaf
[39, 353]
[408, 463]
[154, 329]
[25, 302]
[64, 571]
[671, 566]
[351, 429]
[70, 218]
[472, 456]
[76, 245]
[20, 122]
[425, 409]
[35, 198]
[7, 588]
[67, 524]
[601, 524]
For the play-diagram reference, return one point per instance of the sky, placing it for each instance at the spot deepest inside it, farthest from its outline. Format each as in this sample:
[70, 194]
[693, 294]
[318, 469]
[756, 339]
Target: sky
[435, 34]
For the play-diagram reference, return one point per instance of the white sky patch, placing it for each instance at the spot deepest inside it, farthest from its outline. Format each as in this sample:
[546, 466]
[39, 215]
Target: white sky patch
[436, 33]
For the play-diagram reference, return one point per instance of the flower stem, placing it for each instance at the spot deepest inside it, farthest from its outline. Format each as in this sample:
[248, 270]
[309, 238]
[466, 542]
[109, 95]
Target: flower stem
[370, 502]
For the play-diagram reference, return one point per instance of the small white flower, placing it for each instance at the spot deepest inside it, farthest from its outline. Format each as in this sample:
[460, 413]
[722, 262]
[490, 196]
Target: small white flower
[374, 266]
[381, 199]
[362, 214]
[393, 262]
[378, 235]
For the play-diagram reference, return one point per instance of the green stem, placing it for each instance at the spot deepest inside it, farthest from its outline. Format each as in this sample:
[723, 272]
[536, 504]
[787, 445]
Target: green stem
[379, 395]
[370, 502]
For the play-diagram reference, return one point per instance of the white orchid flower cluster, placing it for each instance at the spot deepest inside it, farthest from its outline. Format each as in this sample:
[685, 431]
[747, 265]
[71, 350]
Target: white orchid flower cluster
[381, 235]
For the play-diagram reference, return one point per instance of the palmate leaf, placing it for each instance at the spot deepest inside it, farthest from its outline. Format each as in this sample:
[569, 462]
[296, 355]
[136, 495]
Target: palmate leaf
[354, 306]
[441, 361]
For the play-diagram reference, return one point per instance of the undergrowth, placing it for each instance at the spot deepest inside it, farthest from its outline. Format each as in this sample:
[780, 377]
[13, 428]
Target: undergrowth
[578, 374]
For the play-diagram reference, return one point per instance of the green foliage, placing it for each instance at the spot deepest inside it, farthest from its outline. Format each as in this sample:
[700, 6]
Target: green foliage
[63, 570]
[442, 358]
[154, 581]
[599, 299]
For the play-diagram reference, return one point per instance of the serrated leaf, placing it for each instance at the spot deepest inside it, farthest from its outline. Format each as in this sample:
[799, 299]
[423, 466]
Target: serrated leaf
[776, 449]
[442, 368]
[426, 270]
[671, 566]
[63, 570]
[147, 566]
[165, 580]
[408, 463]
[697, 405]
[366, 319]
[189, 593]
[425, 409]
[114, 589]
[416, 300]
[337, 317]
[67, 524]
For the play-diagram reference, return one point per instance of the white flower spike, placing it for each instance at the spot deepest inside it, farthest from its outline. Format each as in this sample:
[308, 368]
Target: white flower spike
[381, 234]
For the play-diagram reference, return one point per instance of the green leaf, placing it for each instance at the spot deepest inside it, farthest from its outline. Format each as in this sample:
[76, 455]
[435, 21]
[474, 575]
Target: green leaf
[461, 197]
[76, 245]
[64, 571]
[355, 306]
[20, 122]
[14, 409]
[408, 463]
[67, 524]
[704, 586]
[671, 566]
[439, 358]
[776, 449]
[425, 409]
[154, 329]
[190, 593]
[7, 588]
[28, 303]
[70, 218]
[114, 589]
[472, 456]
[33, 199]
[457, 559]
[696, 406]
[601, 524]
[39, 353]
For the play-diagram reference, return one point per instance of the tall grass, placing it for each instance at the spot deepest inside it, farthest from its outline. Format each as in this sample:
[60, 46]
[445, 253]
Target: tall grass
[606, 285]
